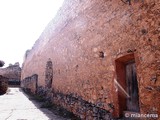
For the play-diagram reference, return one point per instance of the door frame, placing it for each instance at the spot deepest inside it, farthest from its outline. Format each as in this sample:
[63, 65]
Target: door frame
[120, 77]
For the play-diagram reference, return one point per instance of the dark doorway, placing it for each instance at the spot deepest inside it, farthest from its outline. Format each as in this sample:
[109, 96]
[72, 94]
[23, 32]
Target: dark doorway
[132, 87]
[48, 74]
[128, 98]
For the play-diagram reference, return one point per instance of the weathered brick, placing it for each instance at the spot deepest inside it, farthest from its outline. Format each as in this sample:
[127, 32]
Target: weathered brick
[85, 40]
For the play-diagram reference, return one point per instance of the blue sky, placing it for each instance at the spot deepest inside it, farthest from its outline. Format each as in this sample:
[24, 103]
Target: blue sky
[21, 23]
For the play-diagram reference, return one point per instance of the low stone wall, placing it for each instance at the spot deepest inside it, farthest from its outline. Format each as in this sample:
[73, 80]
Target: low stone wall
[29, 84]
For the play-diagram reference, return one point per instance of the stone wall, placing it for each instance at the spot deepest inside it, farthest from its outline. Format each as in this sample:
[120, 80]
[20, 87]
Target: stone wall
[86, 42]
[12, 72]
[29, 84]
[3, 85]
[84, 109]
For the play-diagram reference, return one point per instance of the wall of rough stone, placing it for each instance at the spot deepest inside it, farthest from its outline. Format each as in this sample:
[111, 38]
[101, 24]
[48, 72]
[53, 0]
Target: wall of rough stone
[11, 72]
[3, 85]
[84, 41]
[30, 84]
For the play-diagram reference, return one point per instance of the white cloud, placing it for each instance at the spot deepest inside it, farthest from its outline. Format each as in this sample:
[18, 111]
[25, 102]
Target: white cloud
[21, 23]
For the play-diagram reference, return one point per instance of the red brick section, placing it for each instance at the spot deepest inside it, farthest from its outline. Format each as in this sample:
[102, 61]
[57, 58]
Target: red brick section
[85, 40]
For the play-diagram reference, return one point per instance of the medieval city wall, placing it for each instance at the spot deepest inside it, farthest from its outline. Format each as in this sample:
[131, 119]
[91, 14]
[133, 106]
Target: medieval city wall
[84, 41]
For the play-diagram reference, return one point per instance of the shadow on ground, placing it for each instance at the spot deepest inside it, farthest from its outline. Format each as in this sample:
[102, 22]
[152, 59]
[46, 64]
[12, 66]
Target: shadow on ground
[55, 109]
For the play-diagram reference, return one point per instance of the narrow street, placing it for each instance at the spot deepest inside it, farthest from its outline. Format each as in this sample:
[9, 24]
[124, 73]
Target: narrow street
[80, 60]
[15, 105]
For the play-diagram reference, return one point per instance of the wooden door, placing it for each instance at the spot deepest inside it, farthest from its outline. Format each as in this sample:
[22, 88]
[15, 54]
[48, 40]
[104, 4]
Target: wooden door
[132, 87]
